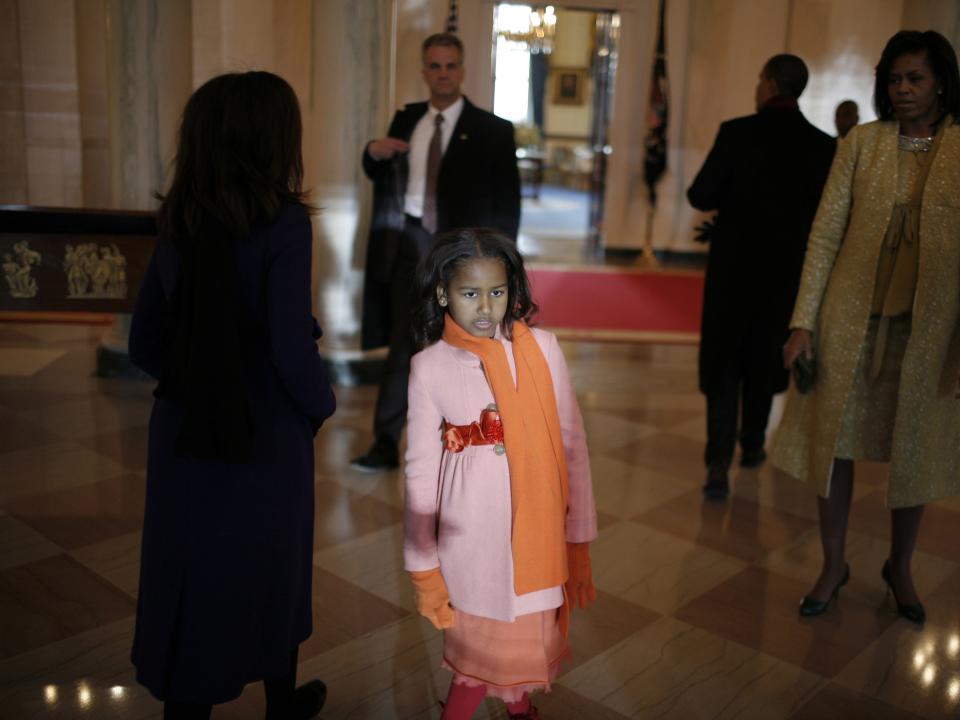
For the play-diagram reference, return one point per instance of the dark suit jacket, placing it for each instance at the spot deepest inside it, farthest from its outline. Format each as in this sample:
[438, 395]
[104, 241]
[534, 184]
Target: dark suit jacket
[478, 186]
[764, 175]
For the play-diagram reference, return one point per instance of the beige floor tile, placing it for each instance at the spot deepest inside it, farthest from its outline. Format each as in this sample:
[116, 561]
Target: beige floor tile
[91, 416]
[694, 429]
[60, 333]
[758, 609]
[393, 672]
[835, 702]
[605, 431]
[77, 516]
[911, 668]
[608, 392]
[20, 434]
[802, 560]
[670, 670]
[20, 544]
[116, 560]
[737, 526]
[384, 486]
[51, 467]
[373, 562]
[625, 490]
[24, 362]
[672, 455]
[51, 599]
[938, 531]
[74, 678]
[342, 514]
[343, 611]
[603, 624]
[656, 570]
[774, 489]
[950, 503]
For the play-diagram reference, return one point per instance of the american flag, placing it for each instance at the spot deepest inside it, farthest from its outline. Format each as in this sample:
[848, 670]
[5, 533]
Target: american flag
[655, 143]
[452, 17]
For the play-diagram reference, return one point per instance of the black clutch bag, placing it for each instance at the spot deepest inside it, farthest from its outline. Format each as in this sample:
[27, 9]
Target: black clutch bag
[804, 373]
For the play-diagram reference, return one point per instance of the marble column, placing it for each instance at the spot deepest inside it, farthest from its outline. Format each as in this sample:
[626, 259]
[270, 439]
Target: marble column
[350, 102]
[149, 78]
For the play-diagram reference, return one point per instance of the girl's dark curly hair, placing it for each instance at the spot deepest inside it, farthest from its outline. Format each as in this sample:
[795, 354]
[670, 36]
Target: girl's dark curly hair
[940, 57]
[450, 251]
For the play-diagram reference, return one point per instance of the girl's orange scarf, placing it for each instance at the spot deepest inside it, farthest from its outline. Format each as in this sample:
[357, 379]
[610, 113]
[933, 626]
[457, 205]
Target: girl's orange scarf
[538, 467]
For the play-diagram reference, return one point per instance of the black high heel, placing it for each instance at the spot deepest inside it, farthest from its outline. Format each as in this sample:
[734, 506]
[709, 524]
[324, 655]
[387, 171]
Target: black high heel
[914, 613]
[811, 607]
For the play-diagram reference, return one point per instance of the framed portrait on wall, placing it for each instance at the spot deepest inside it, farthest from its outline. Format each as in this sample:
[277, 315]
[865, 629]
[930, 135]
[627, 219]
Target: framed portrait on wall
[568, 85]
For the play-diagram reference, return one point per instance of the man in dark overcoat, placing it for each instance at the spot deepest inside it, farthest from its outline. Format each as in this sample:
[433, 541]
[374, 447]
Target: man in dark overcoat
[444, 164]
[764, 176]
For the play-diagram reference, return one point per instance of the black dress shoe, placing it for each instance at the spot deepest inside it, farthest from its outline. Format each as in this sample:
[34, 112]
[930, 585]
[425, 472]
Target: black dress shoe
[914, 613]
[304, 704]
[382, 455]
[717, 486]
[811, 607]
[753, 458]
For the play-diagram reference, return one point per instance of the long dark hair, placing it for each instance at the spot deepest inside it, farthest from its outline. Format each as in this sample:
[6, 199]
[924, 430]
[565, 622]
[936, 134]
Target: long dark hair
[451, 250]
[238, 157]
[940, 57]
[238, 165]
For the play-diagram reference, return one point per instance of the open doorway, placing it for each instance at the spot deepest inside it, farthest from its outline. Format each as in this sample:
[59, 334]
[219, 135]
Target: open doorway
[554, 71]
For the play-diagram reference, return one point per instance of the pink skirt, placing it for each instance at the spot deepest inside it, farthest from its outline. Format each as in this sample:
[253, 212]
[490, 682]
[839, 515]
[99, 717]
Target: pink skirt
[509, 658]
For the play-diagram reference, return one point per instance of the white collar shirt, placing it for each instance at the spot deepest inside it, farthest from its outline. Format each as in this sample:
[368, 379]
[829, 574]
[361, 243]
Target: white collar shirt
[420, 147]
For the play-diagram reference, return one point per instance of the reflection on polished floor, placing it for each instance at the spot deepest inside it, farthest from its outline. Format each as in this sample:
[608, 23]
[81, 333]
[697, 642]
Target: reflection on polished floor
[696, 615]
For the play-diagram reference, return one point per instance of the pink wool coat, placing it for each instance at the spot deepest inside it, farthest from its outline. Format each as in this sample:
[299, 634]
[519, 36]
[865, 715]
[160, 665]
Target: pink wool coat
[458, 506]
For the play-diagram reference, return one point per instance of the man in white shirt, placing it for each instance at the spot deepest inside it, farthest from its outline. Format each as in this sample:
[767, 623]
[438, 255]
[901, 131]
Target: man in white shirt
[444, 164]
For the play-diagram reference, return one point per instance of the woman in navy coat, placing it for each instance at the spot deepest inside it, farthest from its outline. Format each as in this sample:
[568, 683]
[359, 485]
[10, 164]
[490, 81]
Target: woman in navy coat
[223, 322]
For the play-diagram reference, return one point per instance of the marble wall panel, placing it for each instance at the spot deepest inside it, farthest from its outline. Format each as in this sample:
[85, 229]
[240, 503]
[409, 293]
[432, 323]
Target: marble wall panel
[51, 113]
[94, 100]
[841, 43]
[13, 160]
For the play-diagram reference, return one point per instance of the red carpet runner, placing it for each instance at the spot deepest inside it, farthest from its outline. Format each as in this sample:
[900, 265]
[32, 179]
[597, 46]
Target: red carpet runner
[613, 304]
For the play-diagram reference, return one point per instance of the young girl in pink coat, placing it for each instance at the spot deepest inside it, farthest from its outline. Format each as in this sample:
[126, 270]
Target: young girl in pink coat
[499, 502]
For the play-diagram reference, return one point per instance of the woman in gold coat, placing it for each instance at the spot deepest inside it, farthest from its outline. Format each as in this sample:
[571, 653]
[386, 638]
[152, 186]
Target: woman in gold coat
[879, 307]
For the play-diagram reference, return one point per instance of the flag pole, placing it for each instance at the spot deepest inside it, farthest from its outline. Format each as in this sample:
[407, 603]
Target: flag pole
[647, 256]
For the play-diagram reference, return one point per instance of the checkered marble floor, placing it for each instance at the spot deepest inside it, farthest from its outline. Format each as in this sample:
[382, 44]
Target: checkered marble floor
[696, 616]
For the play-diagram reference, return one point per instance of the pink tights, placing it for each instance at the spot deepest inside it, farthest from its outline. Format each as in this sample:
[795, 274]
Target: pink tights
[463, 701]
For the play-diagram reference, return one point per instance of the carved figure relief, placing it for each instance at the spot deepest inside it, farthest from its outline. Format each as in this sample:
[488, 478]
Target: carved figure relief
[17, 269]
[95, 272]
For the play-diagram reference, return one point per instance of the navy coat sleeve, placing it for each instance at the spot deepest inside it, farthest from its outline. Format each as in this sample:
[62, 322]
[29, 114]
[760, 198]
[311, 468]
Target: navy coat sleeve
[146, 328]
[708, 187]
[290, 324]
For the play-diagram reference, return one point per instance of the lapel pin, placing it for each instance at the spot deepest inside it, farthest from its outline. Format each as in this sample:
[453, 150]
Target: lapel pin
[463, 136]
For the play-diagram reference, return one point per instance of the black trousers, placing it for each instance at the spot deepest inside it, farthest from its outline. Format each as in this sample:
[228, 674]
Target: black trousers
[737, 394]
[390, 413]
[279, 692]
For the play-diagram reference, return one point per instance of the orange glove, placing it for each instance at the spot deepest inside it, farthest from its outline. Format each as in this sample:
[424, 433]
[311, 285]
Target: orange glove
[580, 589]
[433, 598]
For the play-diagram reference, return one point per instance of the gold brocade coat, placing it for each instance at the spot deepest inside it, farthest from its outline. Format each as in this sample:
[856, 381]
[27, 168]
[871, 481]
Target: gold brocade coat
[836, 290]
